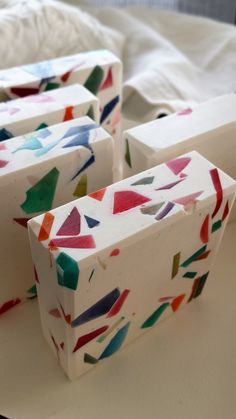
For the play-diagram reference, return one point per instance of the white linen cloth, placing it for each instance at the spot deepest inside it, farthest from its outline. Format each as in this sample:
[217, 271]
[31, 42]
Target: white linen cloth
[171, 61]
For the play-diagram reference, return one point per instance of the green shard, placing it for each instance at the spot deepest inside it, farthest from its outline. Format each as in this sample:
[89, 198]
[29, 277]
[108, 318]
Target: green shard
[175, 265]
[51, 86]
[81, 188]
[190, 275]
[216, 226]
[192, 258]
[155, 316]
[40, 196]
[90, 359]
[67, 271]
[201, 285]
[41, 126]
[90, 112]
[94, 80]
[32, 290]
[127, 153]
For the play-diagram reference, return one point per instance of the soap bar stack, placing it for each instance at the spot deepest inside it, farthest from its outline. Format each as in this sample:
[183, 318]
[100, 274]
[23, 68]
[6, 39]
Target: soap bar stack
[113, 264]
[21, 116]
[100, 72]
[38, 172]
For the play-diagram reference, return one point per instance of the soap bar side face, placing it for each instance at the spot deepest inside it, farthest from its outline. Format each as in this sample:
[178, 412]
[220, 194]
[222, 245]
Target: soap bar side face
[98, 71]
[97, 298]
[32, 113]
[63, 163]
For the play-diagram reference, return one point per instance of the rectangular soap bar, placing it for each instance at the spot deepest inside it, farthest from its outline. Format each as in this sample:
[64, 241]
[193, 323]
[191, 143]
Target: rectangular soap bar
[39, 172]
[99, 71]
[24, 115]
[209, 128]
[133, 262]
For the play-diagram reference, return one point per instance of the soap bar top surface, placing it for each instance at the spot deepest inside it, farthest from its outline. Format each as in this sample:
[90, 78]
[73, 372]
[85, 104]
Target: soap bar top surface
[142, 204]
[46, 71]
[189, 123]
[21, 152]
[43, 103]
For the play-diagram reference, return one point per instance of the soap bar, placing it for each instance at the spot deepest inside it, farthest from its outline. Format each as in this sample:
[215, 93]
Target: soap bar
[209, 128]
[133, 262]
[21, 116]
[99, 71]
[38, 172]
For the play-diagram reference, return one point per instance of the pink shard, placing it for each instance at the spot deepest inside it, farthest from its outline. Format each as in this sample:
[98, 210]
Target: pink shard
[119, 303]
[170, 185]
[204, 233]
[177, 165]
[80, 242]
[71, 226]
[125, 200]
[187, 111]
[188, 199]
[3, 163]
[3, 146]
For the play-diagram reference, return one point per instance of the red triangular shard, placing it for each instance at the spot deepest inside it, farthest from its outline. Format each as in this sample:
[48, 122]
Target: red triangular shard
[125, 200]
[71, 226]
[3, 163]
[80, 242]
[177, 165]
[22, 221]
[108, 82]
[98, 194]
[68, 113]
[177, 301]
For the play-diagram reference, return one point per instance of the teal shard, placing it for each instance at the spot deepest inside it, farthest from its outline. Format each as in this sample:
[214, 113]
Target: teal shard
[115, 342]
[5, 134]
[67, 271]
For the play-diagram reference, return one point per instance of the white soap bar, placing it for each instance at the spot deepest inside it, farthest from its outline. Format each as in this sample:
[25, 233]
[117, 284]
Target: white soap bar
[20, 116]
[209, 128]
[99, 71]
[47, 168]
[113, 264]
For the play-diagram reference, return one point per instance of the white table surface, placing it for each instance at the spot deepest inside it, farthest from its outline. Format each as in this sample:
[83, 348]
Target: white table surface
[185, 368]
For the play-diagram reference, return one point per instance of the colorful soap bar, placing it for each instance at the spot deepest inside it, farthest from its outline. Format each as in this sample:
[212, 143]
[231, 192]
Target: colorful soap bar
[209, 128]
[20, 116]
[38, 172]
[115, 263]
[99, 71]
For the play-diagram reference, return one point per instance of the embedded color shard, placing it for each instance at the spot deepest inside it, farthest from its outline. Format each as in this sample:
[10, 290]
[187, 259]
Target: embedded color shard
[127, 153]
[88, 163]
[79, 130]
[22, 221]
[170, 185]
[115, 342]
[32, 144]
[67, 271]
[41, 70]
[144, 181]
[226, 211]
[119, 303]
[115, 252]
[177, 165]
[216, 226]
[81, 188]
[194, 257]
[91, 222]
[98, 194]
[24, 91]
[81, 139]
[155, 316]
[125, 200]
[68, 113]
[94, 80]
[55, 313]
[108, 82]
[177, 301]
[98, 309]
[67, 317]
[83, 340]
[89, 359]
[190, 275]
[46, 226]
[8, 305]
[40, 196]
[152, 209]
[108, 108]
[80, 242]
[204, 233]
[175, 265]
[218, 188]
[109, 331]
[188, 199]
[5, 134]
[71, 226]
[168, 207]
[198, 286]
[90, 112]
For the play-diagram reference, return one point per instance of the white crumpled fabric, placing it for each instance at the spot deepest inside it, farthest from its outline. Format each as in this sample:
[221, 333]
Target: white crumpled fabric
[171, 61]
